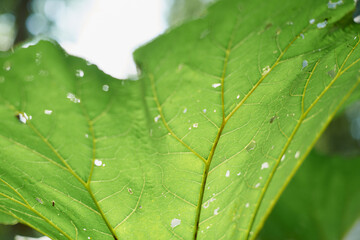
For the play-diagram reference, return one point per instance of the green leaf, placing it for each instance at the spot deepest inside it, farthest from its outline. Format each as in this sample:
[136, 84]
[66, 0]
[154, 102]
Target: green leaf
[200, 147]
[321, 201]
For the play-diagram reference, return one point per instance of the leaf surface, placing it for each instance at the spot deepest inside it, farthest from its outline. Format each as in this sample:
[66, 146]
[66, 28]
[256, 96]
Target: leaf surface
[227, 108]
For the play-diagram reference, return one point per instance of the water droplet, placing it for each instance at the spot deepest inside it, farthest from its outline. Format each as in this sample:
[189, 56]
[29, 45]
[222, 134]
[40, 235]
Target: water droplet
[207, 203]
[332, 72]
[204, 33]
[29, 78]
[283, 157]
[215, 85]
[333, 5]
[130, 191]
[23, 117]
[43, 73]
[105, 88]
[72, 98]
[297, 154]
[257, 185]
[321, 24]
[185, 110]
[39, 200]
[48, 112]
[265, 70]
[38, 58]
[204, 110]
[238, 96]
[79, 73]
[227, 173]
[98, 162]
[7, 66]
[264, 165]
[312, 21]
[175, 222]
[251, 146]
[247, 205]
[195, 125]
[304, 64]
[156, 119]
[216, 211]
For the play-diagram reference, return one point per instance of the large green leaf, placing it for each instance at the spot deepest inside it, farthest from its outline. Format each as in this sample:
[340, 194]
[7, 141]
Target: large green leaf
[321, 201]
[201, 146]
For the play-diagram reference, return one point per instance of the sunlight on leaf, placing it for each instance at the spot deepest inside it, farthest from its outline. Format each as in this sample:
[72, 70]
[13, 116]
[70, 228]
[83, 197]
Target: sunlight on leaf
[200, 147]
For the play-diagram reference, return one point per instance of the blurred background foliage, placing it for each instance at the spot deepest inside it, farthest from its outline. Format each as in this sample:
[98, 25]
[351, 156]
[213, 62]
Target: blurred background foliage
[21, 20]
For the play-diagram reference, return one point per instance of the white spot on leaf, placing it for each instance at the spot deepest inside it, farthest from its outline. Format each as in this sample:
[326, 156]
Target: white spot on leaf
[72, 98]
[156, 119]
[304, 64]
[265, 70]
[105, 88]
[321, 24]
[333, 5]
[23, 117]
[207, 203]
[216, 211]
[79, 73]
[48, 112]
[98, 162]
[175, 222]
[264, 165]
[297, 154]
[215, 85]
[7, 66]
[227, 173]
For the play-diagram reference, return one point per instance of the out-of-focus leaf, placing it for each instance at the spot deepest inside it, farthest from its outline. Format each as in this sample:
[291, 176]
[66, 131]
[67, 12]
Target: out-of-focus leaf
[321, 201]
[7, 219]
